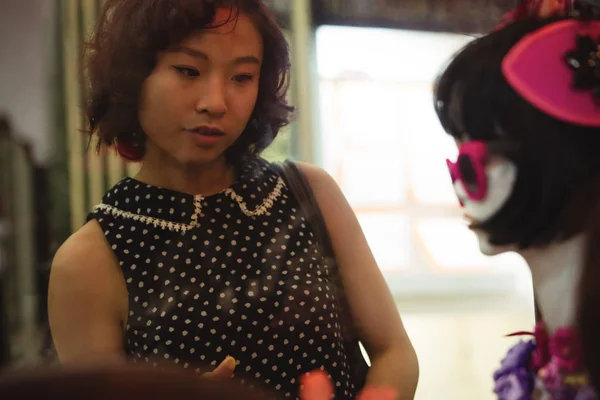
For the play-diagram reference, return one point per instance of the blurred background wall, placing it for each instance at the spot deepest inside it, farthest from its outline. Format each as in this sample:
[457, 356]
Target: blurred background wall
[363, 72]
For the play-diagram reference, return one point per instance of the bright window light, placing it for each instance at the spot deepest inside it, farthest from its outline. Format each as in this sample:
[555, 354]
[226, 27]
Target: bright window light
[383, 143]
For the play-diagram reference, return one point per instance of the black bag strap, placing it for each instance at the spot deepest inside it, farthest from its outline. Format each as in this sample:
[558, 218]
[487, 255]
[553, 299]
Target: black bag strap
[301, 189]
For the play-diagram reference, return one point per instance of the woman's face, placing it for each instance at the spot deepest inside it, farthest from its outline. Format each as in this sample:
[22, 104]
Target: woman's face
[201, 94]
[483, 182]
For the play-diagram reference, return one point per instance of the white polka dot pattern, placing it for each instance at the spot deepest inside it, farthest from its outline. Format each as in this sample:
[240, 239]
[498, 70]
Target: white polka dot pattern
[250, 285]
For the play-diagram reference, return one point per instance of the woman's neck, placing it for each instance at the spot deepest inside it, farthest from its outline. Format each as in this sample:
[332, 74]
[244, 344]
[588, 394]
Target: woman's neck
[555, 271]
[205, 179]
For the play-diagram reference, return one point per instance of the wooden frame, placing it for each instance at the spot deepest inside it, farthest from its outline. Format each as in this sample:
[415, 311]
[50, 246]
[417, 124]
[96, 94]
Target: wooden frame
[464, 16]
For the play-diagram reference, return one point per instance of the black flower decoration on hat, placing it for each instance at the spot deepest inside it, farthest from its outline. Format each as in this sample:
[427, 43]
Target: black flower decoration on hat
[586, 8]
[584, 60]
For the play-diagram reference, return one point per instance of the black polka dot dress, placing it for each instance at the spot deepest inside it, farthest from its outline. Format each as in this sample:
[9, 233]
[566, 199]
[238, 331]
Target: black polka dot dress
[237, 273]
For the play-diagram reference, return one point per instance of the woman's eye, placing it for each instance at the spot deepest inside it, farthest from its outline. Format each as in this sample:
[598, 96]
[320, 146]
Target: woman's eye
[187, 71]
[243, 78]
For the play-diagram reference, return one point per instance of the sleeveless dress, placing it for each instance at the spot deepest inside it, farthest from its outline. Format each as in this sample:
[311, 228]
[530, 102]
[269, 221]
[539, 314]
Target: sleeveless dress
[237, 273]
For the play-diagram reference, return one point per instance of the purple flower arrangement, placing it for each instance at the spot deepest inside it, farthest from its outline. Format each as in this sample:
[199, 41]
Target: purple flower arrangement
[550, 365]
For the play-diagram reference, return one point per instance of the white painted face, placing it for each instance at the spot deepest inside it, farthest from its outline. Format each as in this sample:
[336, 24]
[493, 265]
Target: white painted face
[501, 175]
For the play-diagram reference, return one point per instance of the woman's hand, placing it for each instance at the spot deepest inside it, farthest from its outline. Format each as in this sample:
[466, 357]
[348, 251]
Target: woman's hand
[317, 386]
[223, 371]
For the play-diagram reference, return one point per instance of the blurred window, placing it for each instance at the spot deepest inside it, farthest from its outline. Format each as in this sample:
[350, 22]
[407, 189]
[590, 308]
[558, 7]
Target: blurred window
[381, 140]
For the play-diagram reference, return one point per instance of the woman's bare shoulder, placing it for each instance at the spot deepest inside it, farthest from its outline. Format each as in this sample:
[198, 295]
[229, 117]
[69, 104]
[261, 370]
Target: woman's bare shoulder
[86, 265]
[87, 298]
[86, 248]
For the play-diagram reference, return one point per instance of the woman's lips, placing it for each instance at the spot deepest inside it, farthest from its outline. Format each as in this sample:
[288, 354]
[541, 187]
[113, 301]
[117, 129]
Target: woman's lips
[206, 136]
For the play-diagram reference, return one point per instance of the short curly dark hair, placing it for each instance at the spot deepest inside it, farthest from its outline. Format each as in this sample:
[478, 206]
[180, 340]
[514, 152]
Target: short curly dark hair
[123, 52]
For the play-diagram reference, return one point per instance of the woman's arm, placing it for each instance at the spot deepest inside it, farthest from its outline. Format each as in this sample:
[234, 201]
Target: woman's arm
[393, 359]
[88, 303]
[87, 300]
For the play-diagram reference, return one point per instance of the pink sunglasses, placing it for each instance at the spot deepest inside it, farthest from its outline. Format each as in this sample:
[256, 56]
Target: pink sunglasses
[469, 167]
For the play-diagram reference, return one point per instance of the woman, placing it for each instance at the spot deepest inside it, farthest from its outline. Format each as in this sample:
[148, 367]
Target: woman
[521, 104]
[206, 253]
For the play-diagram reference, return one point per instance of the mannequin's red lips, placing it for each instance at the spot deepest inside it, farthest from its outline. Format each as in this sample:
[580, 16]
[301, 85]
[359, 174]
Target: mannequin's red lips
[469, 218]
